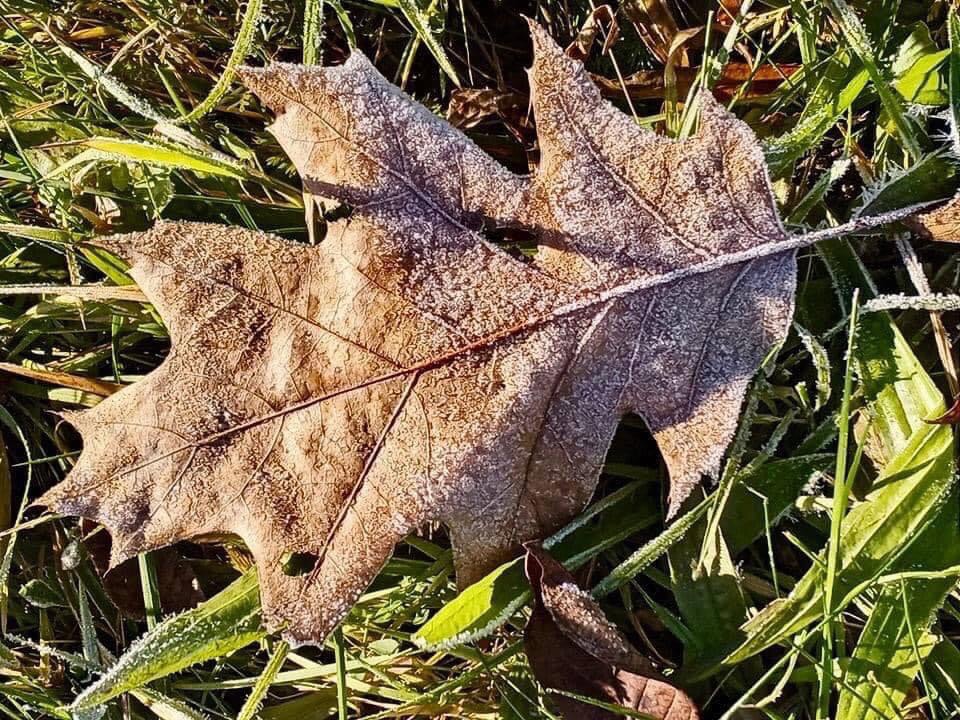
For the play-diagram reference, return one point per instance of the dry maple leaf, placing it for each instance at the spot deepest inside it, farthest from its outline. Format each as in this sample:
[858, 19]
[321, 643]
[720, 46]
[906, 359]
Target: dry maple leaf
[573, 647]
[323, 402]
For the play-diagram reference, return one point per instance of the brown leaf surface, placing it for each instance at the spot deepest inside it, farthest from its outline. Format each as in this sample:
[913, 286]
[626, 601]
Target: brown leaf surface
[942, 224]
[572, 647]
[326, 401]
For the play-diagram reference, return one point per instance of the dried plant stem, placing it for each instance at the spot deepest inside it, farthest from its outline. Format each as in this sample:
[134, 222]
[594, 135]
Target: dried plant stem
[922, 285]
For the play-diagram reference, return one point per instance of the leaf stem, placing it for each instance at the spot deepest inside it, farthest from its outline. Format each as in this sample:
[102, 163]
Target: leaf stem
[841, 494]
[340, 657]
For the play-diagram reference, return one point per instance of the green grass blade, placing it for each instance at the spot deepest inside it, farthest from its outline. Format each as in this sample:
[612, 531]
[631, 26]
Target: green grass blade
[911, 491]
[859, 42]
[312, 31]
[222, 624]
[164, 707]
[140, 151]
[114, 87]
[840, 86]
[841, 492]
[942, 670]
[343, 692]
[251, 705]
[953, 25]
[420, 20]
[241, 48]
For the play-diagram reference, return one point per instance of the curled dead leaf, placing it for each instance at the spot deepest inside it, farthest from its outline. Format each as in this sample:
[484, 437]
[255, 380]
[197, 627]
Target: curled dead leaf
[600, 23]
[950, 417]
[572, 647]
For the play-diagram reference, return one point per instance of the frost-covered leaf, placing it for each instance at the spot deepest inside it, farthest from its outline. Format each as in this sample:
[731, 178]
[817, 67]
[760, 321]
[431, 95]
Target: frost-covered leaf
[323, 402]
[574, 648]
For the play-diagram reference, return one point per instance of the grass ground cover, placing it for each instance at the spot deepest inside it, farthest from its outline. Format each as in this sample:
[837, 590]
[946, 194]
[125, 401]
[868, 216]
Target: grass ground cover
[816, 579]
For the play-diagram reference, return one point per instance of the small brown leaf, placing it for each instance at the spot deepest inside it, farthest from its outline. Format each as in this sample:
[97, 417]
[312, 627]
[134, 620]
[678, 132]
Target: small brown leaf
[942, 224]
[176, 582]
[651, 84]
[602, 15]
[572, 647]
[470, 107]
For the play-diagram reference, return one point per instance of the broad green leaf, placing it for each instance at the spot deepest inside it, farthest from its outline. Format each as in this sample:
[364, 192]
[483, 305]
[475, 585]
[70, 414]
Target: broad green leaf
[708, 592]
[226, 622]
[917, 69]
[478, 610]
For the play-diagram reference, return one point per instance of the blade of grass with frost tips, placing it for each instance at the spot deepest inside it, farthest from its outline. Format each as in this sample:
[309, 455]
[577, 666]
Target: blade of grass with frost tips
[33, 232]
[312, 31]
[842, 485]
[703, 579]
[251, 705]
[708, 592]
[821, 363]
[226, 622]
[819, 190]
[241, 48]
[164, 707]
[343, 17]
[859, 42]
[840, 86]
[8, 544]
[118, 90]
[933, 177]
[953, 26]
[104, 148]
[420, 20]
